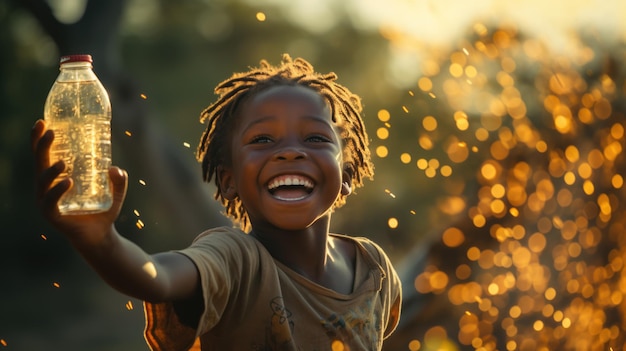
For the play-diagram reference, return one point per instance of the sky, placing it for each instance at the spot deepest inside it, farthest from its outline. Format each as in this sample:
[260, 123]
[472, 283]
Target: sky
[431, 23]
[437, 20]
[439, 23]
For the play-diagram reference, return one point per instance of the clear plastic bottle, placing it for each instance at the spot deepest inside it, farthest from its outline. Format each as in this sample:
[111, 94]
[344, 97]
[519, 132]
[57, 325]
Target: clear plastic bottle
[79, 111]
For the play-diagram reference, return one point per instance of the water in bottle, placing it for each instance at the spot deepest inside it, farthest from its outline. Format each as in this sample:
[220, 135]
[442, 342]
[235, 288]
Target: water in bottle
[79, 111]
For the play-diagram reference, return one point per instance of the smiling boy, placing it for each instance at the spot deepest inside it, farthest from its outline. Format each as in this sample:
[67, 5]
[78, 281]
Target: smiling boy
[285, 146]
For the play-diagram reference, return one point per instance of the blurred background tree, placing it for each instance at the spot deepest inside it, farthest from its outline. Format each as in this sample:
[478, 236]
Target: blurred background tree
[495, 129]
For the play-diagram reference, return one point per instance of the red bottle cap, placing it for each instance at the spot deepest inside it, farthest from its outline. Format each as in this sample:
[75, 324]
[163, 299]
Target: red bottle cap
[76, 58]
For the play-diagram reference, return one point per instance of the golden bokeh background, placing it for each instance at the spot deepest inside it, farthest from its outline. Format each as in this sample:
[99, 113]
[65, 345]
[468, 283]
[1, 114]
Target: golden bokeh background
[497, 130]
[535, 260]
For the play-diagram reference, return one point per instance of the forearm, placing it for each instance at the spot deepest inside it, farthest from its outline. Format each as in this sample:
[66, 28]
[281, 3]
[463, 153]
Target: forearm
[121, 263]
[125, 266]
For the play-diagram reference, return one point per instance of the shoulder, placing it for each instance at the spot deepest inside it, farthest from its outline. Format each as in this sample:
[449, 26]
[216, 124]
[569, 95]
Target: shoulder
[223, 236]
[222, 230]
[390, 287]
[224, 245]
[369, 247]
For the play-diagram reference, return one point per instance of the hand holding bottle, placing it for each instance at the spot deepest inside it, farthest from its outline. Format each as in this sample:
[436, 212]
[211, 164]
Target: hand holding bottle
[82, 229]
[119, 261]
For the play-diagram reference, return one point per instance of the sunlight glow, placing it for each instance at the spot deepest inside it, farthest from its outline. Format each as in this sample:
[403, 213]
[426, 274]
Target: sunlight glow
[68, 11]
[415, 27]
[149, 268]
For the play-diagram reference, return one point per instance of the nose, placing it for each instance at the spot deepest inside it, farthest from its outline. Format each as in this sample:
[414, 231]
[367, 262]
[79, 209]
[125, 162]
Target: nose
[289, 153]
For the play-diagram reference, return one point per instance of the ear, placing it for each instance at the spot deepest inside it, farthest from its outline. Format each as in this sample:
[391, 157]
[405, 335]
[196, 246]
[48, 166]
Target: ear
[226, 182]
[346, 180]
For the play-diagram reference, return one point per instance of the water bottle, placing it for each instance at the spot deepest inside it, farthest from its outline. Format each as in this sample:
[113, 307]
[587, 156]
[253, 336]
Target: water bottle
[79, 111]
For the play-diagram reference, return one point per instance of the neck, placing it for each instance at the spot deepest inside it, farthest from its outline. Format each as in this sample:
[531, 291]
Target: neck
[304, 251]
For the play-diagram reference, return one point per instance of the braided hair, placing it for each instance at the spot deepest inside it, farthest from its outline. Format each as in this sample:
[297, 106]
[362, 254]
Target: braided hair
[345, 107]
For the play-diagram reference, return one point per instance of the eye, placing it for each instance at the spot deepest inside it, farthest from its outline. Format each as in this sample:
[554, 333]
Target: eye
[318, 139]
[261, 139]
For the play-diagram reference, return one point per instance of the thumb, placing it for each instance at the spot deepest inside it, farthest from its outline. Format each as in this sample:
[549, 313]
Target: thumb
[119, 183]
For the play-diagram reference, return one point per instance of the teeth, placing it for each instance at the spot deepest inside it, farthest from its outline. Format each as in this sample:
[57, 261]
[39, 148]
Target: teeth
[290, 180]
[290, 199]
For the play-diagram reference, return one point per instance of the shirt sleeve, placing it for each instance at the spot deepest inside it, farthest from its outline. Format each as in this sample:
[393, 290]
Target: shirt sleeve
[164, 331]
[217, 255]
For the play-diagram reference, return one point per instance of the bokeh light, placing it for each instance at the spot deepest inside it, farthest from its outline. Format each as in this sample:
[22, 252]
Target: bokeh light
[533, 153]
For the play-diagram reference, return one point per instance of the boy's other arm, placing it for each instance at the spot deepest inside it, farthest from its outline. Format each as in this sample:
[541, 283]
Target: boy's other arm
[121, 263]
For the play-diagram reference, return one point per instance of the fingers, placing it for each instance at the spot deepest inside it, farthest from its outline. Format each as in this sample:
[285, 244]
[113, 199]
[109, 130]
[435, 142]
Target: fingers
[47, 194]
[49, 200]
[119, 183]
[119, 179]
[42, 140]
[36, 132]
[46, 177]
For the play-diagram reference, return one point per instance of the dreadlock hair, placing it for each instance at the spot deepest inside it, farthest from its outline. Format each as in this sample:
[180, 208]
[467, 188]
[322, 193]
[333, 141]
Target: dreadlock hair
[345, 107]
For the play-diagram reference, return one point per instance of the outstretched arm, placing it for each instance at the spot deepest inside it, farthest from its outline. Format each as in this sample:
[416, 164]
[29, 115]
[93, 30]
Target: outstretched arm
[121, 263]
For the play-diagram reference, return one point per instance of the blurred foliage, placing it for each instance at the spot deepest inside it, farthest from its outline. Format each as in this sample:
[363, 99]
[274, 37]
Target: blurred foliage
[534, 148]
[475, 163]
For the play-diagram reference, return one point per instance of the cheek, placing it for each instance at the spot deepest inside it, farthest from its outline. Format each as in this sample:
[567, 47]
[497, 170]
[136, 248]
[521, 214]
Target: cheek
[249, 159]
[247, 166]
[334, 166]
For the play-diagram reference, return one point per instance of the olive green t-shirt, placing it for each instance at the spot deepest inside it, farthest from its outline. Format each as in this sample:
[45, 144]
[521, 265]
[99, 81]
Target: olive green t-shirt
[253, 302]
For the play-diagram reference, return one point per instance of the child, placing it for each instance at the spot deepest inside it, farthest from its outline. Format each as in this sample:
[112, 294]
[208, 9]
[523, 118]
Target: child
[284, 146]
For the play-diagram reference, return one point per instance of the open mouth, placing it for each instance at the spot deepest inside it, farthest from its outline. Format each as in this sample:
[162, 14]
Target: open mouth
[290, 187]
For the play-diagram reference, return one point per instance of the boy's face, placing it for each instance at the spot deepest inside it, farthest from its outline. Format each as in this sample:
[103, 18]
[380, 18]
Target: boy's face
[287, 167]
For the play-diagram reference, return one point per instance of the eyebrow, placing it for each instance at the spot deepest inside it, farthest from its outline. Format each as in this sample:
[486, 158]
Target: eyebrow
[313, 118]
[258, 121]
